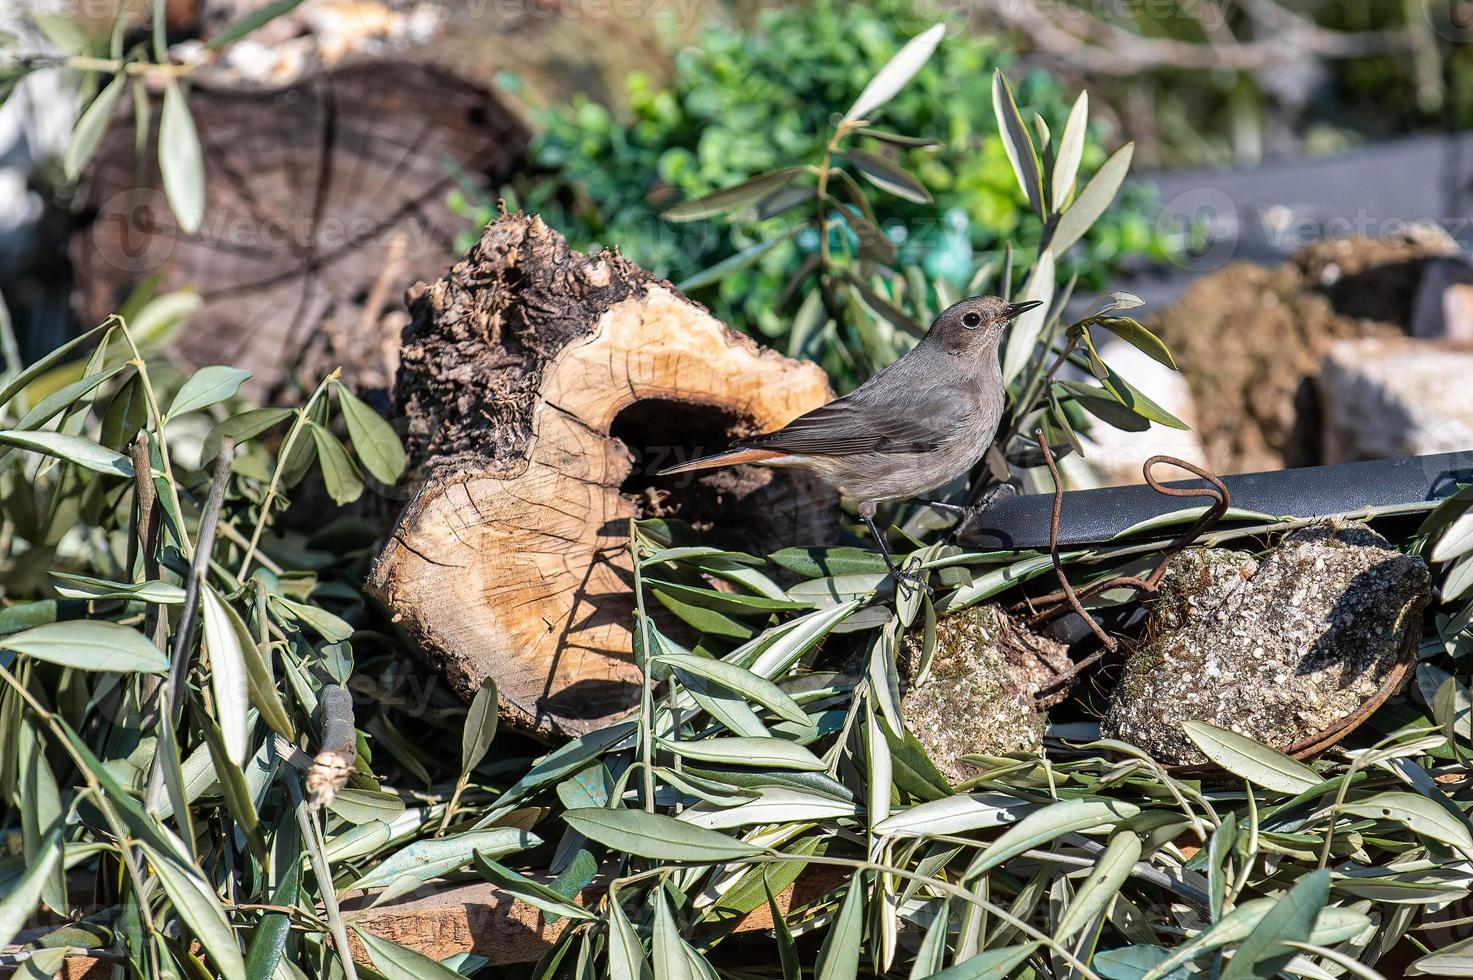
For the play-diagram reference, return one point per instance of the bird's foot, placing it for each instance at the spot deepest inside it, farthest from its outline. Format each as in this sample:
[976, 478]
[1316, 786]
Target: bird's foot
[912, 580]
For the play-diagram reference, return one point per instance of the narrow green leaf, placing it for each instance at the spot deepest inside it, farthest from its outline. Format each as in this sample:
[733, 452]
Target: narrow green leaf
[89, 129]
[73, 449]
[398, 962]
[738, 261]
[374, 440]
[228, 681]
[480, 726]
[1018, 144]
[888, 176]
[1092, 201]
[748, 751]
[1134, 399]
[1130, 331]
[774, 804]
[225, 628]
[232, 783]
[1024, 334]
[741, 681]
[41, 810]
[1418, 814]
[899, 70]
[838, 958]
[427, 859]
[1253, 761]
[991, 964]
[1071, 152]
[22, 380]
[249, 22]
[269, 942]
[1456, 541]
[23, 897]
[534, 893]
[1263, 953]
[196, 903]
[89, 645]
[1050, 823]
[85, 587]
[674, 957]
[787, 950]
[206, 387]
[735, 196]
[181, 162]
[1110, 872]
[626, 953]
[655, 835]
[243, 428]
[338, 473]
[1102, 404]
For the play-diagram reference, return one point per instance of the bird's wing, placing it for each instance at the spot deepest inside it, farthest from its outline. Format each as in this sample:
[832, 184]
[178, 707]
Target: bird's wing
[913, 422]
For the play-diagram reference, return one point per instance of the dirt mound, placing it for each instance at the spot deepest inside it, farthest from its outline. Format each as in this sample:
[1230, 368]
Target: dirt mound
[1248, 337]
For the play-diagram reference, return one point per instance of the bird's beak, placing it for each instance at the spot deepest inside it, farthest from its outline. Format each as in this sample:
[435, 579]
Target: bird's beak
[1014, 310]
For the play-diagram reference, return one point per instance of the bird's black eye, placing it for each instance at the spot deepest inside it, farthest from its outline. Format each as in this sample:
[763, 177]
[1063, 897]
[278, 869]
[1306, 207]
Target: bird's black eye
[972, 321]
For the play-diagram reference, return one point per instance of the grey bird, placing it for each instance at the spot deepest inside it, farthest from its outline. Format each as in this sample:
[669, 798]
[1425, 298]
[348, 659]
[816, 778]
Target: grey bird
[916, 425]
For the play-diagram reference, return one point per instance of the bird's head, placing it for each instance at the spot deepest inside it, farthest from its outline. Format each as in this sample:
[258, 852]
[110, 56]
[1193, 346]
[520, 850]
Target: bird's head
[974, 325]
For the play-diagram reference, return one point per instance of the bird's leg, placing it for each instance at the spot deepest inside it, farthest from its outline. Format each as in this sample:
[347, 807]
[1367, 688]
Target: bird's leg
[912, 579]
[958, 509]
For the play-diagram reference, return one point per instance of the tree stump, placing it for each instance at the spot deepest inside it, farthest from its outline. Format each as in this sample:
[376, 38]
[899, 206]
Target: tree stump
[543, 389]
[322, 199]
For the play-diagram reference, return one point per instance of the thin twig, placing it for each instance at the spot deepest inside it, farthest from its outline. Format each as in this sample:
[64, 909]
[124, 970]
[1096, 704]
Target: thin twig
[189, 617]
[1106, 639]
[334, 763]
[312, 839]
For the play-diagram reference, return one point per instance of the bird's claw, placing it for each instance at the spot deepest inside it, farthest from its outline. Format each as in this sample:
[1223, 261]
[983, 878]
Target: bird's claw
[914, 581]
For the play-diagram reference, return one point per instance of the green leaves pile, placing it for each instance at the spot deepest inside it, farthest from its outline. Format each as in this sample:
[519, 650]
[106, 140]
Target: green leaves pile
[776, 748]
[162, 644]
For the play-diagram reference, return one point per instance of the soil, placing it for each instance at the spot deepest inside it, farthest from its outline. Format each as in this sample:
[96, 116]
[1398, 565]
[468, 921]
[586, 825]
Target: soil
[1249, 337]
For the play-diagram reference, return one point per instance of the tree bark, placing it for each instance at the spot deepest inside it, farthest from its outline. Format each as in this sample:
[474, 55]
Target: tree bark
[322, 198]
[542, 390]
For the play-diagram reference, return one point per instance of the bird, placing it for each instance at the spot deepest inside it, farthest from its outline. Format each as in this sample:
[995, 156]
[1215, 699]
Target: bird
[915, 425]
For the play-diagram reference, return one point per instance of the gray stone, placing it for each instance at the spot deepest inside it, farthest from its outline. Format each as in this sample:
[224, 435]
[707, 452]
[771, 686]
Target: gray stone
[1279, 648]
[1394, 396]
[1443, 307]
[977, 698]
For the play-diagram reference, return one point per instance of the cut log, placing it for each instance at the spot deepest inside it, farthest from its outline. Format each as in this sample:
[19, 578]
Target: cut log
[322, 199]
[542, 390]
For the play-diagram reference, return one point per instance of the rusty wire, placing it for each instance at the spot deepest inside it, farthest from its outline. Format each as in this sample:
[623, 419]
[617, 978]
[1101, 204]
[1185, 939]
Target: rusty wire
[1146, 587]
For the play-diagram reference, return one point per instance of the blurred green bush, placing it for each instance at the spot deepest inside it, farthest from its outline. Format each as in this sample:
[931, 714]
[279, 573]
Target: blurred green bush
[746, 101]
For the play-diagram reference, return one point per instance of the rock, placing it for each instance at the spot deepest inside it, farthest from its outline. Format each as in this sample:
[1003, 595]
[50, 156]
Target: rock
[1394, 396]
[977, 697]
[1116, 456]
[1248, 337]
[1443, 309]
[1279, 649]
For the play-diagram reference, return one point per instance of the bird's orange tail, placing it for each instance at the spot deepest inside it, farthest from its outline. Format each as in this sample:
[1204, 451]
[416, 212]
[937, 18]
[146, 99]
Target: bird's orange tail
[729, 458]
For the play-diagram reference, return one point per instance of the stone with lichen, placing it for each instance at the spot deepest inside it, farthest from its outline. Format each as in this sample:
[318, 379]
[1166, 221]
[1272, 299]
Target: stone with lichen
[1279, 648]
[977, 696]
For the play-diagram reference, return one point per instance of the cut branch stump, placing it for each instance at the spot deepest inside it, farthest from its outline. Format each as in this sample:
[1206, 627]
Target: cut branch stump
[542, 390]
